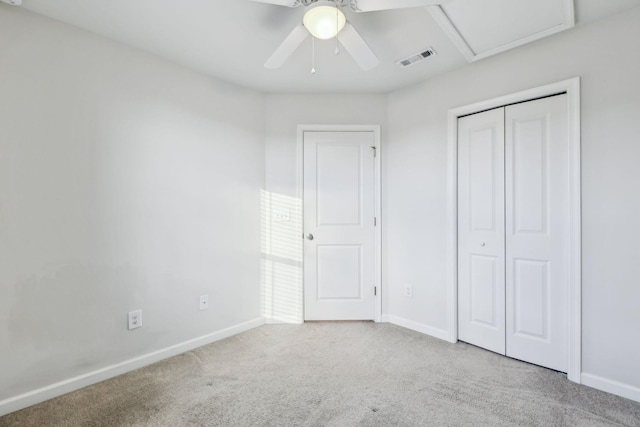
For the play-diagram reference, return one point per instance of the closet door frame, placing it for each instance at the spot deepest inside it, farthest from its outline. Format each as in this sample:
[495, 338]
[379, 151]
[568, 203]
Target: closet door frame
[572, 88]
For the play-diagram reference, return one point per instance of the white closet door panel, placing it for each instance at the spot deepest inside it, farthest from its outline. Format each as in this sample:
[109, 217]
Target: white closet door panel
[481, 287]
[484, 300]
[531, 299]
[537, 231]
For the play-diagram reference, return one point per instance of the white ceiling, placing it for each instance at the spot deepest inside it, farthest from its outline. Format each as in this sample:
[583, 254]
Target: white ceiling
[232, 39]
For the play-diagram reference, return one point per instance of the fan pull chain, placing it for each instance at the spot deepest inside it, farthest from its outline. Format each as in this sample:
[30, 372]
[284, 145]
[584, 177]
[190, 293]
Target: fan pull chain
[337, 31]
[313, 55]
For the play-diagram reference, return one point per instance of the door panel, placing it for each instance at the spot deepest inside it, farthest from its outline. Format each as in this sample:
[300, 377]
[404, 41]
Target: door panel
[537, 238]
[529, 180]
[338, 185]
[531, 299]
[485, 306]
[483, 144]
[481, 267]
[339, 210]
[339, 272]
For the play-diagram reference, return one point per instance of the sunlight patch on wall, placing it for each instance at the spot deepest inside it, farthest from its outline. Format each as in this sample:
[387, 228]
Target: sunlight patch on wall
[281, 263]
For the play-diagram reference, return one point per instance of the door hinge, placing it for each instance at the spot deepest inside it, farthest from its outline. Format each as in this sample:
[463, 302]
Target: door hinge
[375, 221]
[375, 290]
[374, 150]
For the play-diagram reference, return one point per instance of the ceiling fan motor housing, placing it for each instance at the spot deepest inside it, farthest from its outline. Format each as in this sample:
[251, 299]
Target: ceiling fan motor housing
[324, 19]
[335, 2]
[353, 4]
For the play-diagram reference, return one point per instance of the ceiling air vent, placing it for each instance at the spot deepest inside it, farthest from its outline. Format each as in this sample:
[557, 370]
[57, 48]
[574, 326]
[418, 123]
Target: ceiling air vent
[415, 58]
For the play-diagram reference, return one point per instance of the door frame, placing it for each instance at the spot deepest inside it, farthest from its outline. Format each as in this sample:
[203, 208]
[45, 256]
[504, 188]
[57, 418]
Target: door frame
[572, 88]
[377, 188]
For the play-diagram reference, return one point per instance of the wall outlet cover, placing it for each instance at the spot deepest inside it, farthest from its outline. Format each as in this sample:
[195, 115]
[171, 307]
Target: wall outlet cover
[408, 290]
[135, 319]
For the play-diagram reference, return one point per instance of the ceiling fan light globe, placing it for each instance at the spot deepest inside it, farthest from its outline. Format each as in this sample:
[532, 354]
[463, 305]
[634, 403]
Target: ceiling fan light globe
[324, 21]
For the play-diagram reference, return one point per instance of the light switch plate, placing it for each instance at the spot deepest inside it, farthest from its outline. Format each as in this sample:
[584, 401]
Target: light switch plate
[204, 302]
[282, 215]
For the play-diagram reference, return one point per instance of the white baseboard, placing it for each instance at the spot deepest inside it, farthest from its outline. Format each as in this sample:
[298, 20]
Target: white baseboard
[610, 386]
[283, 321]
[24, 400]
[415, 326]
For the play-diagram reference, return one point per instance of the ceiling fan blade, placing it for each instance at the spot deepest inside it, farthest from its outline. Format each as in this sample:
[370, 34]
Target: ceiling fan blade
[374, 5]
[288, 46]
[357, 48]
[288, 3]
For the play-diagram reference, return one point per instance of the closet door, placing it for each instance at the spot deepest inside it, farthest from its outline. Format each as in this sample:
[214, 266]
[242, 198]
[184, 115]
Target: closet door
[537, 231]
[481, 257]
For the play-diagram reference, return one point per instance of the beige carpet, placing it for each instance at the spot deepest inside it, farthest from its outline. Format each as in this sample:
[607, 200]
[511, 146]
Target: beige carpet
[334, 374]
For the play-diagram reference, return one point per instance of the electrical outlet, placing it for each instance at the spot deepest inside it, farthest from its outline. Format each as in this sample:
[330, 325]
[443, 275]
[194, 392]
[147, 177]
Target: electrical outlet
[204, 302]
[408, 290]
[135, 319]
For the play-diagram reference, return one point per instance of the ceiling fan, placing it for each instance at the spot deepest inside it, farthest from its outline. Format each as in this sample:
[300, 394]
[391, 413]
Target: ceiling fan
[324, 19]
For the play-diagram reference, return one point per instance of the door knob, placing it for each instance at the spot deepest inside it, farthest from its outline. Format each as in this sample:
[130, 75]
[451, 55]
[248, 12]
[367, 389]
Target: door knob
[308, 236]
[483, 244]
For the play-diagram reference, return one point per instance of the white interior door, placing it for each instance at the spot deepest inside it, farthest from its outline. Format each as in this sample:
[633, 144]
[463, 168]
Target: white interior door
[513, 231]
[339, 233]
[537, 231]
[481, 285]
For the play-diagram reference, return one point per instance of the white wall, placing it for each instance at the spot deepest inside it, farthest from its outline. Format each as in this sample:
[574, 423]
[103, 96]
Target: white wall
[126, 182]
[282, 243]
[605, 55]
